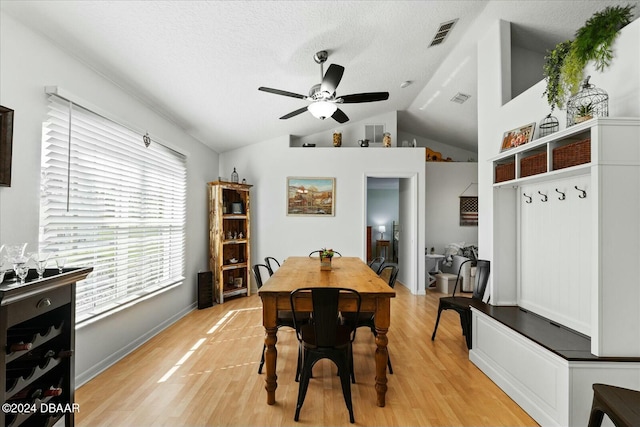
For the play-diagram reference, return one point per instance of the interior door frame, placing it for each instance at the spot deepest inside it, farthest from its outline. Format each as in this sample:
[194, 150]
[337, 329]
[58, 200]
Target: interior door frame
[412, 264]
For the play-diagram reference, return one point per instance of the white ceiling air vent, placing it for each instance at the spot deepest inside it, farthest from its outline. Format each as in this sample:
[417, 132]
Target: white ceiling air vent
[460, 97]
[443, 32]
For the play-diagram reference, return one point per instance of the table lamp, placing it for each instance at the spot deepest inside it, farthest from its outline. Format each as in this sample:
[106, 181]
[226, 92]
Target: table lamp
[382, 229]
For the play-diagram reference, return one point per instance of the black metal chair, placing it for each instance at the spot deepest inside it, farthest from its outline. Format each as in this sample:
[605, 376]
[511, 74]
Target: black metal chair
[318, 252]
[462, 304]
[326, 337]
[270, 262]
[367, 319]
[376, 263]
[285, 317]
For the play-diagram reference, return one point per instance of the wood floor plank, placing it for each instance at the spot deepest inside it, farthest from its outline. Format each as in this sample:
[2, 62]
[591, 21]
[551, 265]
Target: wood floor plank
[202, 371]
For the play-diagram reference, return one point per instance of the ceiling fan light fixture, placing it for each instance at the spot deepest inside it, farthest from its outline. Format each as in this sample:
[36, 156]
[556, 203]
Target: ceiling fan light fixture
[322, 109]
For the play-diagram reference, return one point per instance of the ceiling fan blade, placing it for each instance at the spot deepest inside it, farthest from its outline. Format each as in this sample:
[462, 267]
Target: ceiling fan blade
[332, 78]
[339, 116]
[294, 113]
[281, 92]
[364, 97]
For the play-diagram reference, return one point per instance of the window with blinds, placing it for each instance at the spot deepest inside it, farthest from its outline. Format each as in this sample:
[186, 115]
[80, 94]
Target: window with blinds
[110, 202]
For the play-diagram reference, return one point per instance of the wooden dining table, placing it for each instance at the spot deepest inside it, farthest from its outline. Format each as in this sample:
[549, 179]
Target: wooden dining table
[346, 272]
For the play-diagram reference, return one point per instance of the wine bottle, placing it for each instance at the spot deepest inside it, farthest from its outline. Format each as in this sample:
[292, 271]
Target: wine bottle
[19, 346]
[36, 392]
[29, 393]
[40, 356]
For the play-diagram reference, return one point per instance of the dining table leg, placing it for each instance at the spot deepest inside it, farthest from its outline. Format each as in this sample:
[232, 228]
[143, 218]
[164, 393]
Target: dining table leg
[269, 315]
[382, 321]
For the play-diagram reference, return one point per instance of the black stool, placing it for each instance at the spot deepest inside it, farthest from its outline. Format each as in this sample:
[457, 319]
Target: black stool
[620, 404]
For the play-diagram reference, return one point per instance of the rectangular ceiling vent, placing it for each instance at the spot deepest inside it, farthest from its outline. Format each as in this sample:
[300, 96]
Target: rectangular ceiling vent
[443, 32]
[460, 97]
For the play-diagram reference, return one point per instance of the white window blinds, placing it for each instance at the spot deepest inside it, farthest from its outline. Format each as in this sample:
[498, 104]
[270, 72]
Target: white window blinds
[111, 203]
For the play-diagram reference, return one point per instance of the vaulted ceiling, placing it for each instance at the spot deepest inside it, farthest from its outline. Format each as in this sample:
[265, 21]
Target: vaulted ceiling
[200, 63]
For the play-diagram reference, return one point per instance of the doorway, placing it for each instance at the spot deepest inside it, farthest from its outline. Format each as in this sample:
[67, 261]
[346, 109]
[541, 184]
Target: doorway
[391, 219]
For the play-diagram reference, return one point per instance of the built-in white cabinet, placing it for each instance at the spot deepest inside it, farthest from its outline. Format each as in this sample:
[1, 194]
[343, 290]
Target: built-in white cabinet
[566, 246]
[567, 240]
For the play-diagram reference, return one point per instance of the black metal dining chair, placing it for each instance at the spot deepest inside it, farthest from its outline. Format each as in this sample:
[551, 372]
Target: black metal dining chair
[367, 319]
[271, 262]
[326, 337]
[462, 304]
[376, 263]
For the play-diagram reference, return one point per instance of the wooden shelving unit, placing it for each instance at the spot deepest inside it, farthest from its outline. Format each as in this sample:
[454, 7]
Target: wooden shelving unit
[38, 385]
[229, 239]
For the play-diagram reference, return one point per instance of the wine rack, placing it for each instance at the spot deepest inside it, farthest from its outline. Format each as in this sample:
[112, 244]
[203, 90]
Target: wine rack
[229, 239]
[37, 342]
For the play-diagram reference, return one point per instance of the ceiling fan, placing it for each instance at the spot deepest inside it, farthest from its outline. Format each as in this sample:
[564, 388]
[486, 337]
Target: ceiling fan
[323, 95]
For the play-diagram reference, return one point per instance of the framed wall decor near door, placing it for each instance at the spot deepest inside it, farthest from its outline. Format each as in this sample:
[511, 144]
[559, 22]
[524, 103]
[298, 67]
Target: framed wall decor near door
[6, 144]
[311, 196]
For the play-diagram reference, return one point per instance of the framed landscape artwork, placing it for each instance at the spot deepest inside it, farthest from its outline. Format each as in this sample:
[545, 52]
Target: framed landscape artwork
[518, 136]
[6, 138]
[311, 196]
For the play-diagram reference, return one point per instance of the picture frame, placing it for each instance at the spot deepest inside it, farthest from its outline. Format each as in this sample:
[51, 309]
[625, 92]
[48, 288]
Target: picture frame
[518, 136]
[6, 145]
[311, 196]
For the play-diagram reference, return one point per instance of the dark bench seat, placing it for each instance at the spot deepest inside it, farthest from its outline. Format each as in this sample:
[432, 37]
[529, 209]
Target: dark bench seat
[565, 342]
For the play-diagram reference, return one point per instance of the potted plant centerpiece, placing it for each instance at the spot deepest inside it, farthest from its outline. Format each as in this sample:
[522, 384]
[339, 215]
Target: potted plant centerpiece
[325, 259]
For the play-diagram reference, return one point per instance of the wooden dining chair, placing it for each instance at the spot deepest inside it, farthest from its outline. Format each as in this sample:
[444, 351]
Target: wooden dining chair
[325, 338]
[462, 304]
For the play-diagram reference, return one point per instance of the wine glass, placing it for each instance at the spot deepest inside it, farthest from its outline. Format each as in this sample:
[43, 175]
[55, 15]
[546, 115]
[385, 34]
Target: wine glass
[22, 270]
[3, 268]
[41, 260]
[60, 262]
[14, 254]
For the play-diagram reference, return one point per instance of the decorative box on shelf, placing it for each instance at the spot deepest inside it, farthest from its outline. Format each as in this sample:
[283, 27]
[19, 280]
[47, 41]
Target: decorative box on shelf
[505, 172]
[533, 165]
[576, 153]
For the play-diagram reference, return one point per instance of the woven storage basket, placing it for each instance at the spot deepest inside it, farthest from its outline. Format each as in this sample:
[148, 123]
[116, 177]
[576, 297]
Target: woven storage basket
[505, 172]
[576, 153]
[533, 165]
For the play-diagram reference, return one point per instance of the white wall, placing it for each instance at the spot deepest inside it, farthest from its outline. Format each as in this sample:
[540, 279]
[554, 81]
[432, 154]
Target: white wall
[456, 154]
[267, 166]
[28, 62]
[526, 69]
[445, 183]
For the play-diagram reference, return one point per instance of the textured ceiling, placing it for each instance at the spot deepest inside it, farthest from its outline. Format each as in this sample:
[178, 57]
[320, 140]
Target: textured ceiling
[200, 63]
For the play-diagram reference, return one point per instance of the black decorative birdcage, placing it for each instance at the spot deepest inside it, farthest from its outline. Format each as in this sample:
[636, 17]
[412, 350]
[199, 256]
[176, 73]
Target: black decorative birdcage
[548, 125]
[588, 103]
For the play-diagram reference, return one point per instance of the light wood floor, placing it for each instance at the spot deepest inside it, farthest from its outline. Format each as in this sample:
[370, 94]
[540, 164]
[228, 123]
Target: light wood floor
[202, 371]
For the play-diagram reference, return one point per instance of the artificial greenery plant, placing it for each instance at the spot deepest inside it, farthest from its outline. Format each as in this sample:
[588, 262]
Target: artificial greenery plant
[564, 66]
[552, 67]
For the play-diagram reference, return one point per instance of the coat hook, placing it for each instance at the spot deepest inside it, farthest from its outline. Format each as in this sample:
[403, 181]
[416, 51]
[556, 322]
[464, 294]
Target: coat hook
[545, 198]
[584, 193]
[529, 197]
[561, 197]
